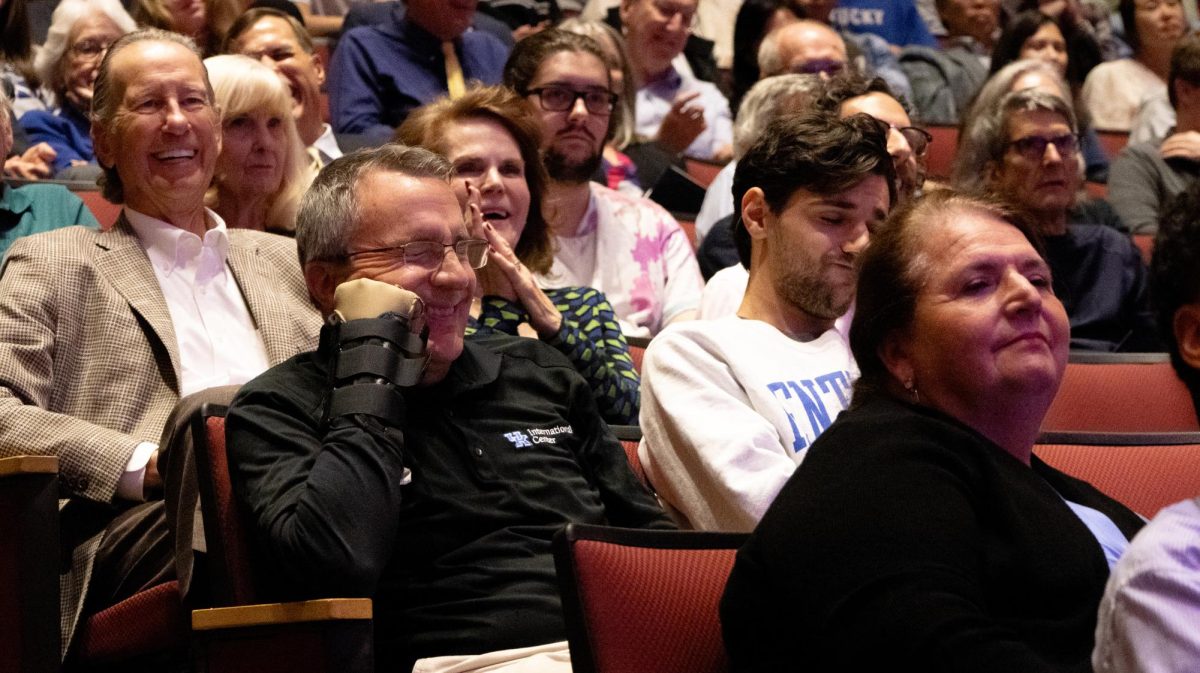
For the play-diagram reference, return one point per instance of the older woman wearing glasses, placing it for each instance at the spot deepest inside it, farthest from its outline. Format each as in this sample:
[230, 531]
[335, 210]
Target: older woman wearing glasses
[80, 32]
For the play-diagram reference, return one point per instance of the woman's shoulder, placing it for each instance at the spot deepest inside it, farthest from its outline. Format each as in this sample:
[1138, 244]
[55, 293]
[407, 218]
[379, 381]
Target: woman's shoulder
[885, 431]
[874, 415]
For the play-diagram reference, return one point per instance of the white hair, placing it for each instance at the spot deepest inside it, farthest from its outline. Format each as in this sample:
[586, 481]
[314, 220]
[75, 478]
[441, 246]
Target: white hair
[48, 61]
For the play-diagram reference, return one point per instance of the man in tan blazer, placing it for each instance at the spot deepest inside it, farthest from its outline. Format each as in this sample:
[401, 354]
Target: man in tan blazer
[101, 333]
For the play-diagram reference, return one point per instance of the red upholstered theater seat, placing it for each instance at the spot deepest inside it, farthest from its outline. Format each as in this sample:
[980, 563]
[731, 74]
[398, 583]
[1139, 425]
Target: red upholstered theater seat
[1145, 245]
[941, 151]
[630, 436]
[703, 172]
[106, 213]
[1145, 472]
[644, 601]
[140, 627]
[1137, 392]
[1113, 142]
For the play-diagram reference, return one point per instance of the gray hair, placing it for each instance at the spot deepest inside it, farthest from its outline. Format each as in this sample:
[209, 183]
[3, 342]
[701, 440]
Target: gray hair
[329, 212]
[983, 126]
[605, 35]
[106, 98]
[48, 62]
[768, 99]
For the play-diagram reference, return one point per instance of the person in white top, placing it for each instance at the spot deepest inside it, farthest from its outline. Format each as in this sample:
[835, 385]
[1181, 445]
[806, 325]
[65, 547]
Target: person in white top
[103, 332]
[1149, 616]
[629, 248]
[1115, 92]
[730, 406]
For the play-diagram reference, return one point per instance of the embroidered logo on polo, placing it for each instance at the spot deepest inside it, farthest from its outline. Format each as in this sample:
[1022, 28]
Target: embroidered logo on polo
[523, 439]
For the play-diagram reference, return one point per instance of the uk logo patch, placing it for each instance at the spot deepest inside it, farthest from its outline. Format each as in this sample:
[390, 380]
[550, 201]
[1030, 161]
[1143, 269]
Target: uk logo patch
[519, 439]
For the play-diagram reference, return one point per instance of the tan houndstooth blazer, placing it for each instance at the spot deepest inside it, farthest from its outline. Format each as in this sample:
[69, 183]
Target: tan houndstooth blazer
[89, 365]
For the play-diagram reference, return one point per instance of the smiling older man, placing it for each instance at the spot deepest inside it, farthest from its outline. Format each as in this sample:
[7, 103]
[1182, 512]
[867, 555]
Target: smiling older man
[102, 332]
[428, 472]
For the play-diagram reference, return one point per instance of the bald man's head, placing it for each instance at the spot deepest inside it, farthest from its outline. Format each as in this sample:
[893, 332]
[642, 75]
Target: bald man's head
[802, 47]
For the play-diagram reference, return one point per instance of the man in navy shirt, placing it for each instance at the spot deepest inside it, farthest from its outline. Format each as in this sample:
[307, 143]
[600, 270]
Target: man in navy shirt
[381, 73]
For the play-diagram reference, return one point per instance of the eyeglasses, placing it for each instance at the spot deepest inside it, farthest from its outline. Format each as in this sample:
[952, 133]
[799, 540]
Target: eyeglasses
[1034, 147]
[819, 66]
[90, 49]
[1151, 5]
[429, 255]
[561, 99]
[918, 139]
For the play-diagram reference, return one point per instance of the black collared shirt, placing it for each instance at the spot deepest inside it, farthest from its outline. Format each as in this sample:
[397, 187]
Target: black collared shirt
[502, 452]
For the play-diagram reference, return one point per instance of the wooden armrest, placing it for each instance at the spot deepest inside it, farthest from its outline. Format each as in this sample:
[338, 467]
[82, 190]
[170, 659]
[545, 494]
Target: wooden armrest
[331, 635]
[326, 609]
[28, 465]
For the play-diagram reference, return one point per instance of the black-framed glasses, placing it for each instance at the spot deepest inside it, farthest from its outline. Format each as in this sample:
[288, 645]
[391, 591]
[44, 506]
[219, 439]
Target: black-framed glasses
[1034, 147]
[918, 138]
[561, 99]
[429, 255]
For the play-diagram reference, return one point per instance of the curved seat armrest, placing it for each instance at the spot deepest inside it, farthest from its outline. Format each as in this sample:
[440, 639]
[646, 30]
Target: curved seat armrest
[326, 609]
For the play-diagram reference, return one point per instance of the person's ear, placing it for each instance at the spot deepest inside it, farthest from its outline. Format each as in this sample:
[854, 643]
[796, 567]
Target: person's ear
[322, 279]
[1186, 326]
[625, 10]
[754, 213]
[896, 354]
[318, 64]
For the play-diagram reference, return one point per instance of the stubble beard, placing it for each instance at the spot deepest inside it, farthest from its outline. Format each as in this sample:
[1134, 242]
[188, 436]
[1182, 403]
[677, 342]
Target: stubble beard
[807, 290]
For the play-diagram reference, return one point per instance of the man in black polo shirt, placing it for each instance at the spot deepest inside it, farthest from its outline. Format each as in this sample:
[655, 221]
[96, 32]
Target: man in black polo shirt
[439, 499]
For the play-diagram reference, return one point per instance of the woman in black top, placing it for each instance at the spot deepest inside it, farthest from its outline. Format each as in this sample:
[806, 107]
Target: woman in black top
[920, 533]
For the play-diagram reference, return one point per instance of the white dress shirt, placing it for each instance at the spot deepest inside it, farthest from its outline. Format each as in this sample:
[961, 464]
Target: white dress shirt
[217, 341]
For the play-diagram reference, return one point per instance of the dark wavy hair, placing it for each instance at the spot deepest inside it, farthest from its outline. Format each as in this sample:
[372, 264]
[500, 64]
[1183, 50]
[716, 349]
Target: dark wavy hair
[815, 151]
[16, 41]
[1174, 279]
[529, 54]
[1083, 51]
[426, 127]
[749, 29]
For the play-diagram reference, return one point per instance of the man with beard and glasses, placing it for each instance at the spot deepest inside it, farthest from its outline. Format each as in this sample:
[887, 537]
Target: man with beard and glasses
[627, 247]
[730, 406]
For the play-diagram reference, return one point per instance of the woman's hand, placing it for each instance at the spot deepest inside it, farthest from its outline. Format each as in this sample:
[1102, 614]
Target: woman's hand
[505, 276]
[543, 316]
